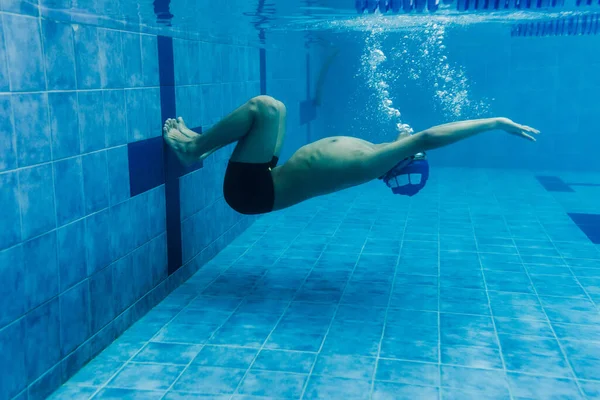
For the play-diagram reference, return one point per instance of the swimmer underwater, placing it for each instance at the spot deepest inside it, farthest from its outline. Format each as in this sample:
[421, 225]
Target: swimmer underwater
[255, 184]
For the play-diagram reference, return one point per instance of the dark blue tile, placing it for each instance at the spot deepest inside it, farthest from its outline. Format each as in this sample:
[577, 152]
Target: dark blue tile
[97, 239]
[115, 117]
[86, 57]
[59, 55]
[64, 124]
[133, 61]
[8, 141]
[91, 121]
[41, 269]
[75, 317]
[12, 359]
[344, 366]
[482, 382]
[156, 376]
[168, 353]
[96, 373]
[129, 394]
[325, 387]
[275, 384]
[71, 254]
[68, 190]
[31, 116]
[42, 348]
[534, 355]
[146, 166]
[209, 380]
[13, 298]
[112, 73]
[24, 53]
[285, 361]
[553, 184]
[530, 387]
[9, 210]
[400, 391]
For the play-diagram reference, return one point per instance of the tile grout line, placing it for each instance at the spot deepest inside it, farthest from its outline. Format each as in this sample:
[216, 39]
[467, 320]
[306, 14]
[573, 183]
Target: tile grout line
[489, 304]
[555, 337]
[387, 309]
[224, 322]
[439, 305]
[100, 388]
[318, 353]
[282, 313]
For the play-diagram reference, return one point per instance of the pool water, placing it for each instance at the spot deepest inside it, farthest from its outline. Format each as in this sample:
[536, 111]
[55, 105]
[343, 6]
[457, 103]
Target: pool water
[360, 295]
[127, 276]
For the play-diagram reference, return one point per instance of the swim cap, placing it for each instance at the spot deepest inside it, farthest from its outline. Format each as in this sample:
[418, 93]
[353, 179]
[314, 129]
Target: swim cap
[408, 170]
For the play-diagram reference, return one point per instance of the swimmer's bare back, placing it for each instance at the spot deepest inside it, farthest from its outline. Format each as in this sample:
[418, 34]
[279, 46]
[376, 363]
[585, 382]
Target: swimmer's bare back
[325, 166]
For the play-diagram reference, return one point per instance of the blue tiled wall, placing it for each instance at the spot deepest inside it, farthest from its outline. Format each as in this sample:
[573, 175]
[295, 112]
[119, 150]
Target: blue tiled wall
[81, 259]
[546, 82]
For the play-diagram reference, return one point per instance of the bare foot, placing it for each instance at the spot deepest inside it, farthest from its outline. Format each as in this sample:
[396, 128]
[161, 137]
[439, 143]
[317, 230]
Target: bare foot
[182, 143]
[185, 130]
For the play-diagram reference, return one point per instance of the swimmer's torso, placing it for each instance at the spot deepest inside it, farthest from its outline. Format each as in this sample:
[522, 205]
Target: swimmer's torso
[319, 168]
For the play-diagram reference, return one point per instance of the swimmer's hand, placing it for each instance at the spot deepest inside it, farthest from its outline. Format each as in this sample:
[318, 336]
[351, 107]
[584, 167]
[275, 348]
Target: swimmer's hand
[524, 131]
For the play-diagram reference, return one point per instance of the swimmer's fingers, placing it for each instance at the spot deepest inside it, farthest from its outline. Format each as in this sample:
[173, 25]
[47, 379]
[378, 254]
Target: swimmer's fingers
[527, 136]
[529, 129]
[528, 132]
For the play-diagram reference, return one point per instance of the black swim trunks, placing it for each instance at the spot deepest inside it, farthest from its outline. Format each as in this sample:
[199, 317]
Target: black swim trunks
[248, 188]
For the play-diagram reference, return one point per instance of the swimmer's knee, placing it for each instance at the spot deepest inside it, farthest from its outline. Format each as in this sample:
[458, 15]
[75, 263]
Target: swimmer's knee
[265, 107]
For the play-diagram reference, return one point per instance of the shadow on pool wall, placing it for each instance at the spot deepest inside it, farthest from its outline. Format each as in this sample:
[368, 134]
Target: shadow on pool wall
[550, 83]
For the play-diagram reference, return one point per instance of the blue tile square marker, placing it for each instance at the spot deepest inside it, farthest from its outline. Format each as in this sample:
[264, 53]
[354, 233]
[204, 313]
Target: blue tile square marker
[589, 225]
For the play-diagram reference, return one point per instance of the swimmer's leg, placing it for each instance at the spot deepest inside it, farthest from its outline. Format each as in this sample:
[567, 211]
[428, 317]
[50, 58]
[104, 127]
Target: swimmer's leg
[255, 125]
[282, 128]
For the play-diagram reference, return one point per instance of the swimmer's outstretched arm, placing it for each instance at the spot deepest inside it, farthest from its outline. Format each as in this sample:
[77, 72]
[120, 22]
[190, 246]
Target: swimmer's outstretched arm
[443, 135]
